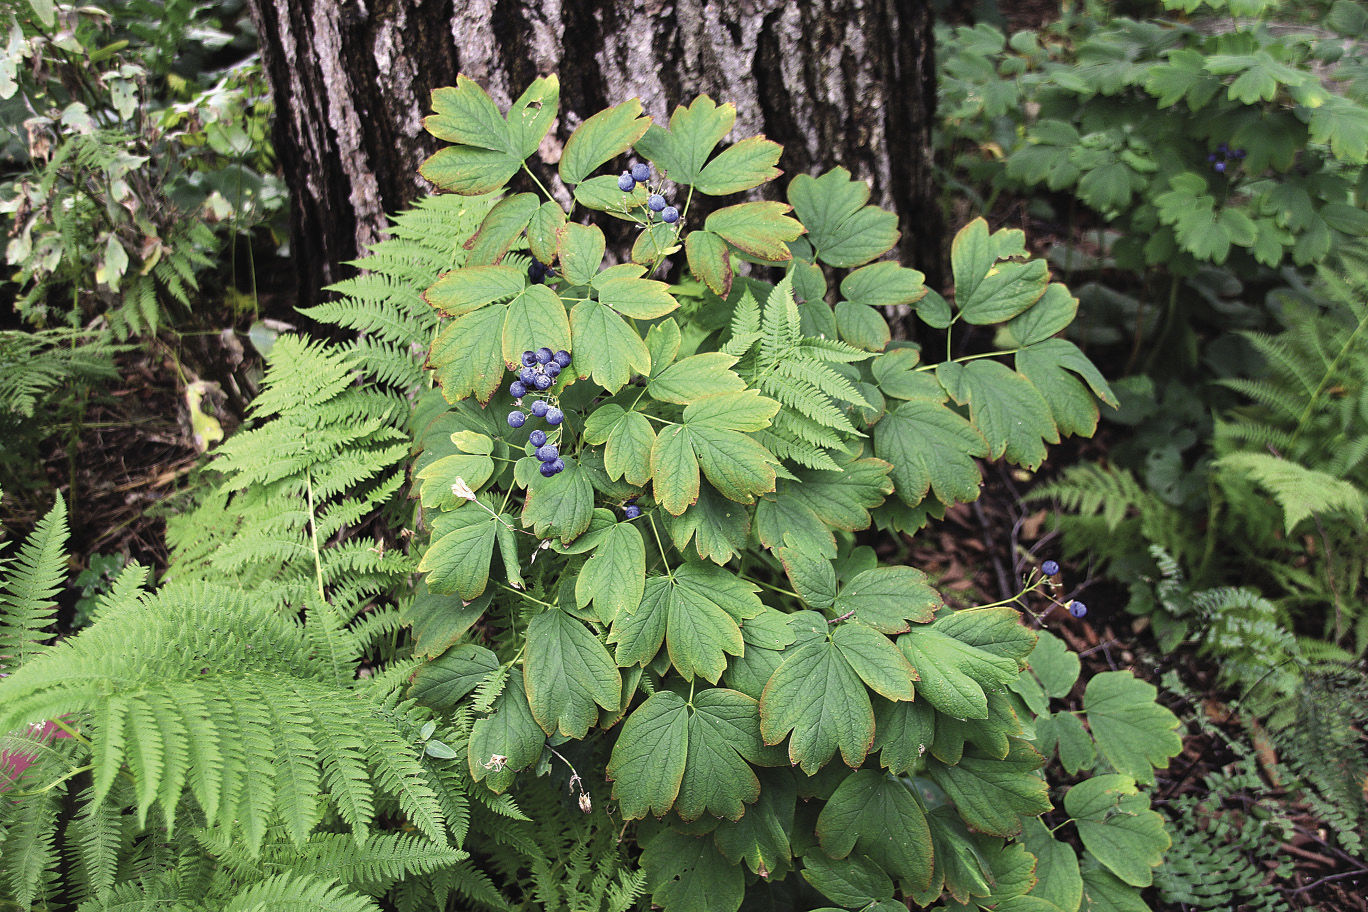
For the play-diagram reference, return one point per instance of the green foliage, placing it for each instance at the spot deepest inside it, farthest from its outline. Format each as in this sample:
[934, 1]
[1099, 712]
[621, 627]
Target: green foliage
[758, 427]
[124, 165]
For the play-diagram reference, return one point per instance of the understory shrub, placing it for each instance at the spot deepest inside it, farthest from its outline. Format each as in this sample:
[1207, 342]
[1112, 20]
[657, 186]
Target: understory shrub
[658, 527]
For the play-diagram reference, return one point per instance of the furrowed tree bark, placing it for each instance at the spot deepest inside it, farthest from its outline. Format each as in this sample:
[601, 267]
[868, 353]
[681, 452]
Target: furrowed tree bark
[836, 82]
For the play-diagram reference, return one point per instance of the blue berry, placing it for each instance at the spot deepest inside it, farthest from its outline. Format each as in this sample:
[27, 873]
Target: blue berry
[548, 452]
[517, 389]
[1050, 568]
[631, 511]
[529, 358]
[543, 381]
[558, 465]
[563, 358]
[554, 416]
[1220, 167]
[528, 376]
[626, 183]
[1078, 609]
[516, 419]
[641, 172]
[1238, 153]
[544, 355]
[539, 408]
[537, 437]
[656, 202]
[670, 214]
[536, 271]
[553, 369]
[547, 470]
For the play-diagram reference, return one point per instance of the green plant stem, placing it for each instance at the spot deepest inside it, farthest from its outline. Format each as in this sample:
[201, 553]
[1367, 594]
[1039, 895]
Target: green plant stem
[655, 532]
[779, 589]
[537, 181]
[313, 535]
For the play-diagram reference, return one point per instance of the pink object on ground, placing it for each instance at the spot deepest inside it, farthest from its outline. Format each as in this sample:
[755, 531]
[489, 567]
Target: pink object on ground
[13, 764]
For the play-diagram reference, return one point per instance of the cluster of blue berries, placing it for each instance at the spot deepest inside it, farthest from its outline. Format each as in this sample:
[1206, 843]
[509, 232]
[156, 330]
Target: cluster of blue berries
[1222, 155]
[539, 370]
[640, 173]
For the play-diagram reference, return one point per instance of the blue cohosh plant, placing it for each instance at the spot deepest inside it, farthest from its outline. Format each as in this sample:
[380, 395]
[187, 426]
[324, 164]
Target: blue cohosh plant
[321, 734]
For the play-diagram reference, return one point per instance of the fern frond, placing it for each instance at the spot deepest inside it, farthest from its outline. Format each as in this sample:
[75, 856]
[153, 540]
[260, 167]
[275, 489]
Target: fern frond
[35, 575]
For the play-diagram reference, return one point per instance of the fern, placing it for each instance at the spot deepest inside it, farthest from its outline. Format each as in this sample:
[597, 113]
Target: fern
[27, 608]
[777, 359]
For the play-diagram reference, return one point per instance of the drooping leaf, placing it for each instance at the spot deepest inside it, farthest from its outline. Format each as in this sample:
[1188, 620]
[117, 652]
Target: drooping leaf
[1005, 407]
[626, 438]
[507, 740]
[761, 229]
[603, 136]
[879, 815]
[560, 506]
[1132, 731]
[567, 671]
[931, 449]
[443, 682]
[614, 578]
[991, 794]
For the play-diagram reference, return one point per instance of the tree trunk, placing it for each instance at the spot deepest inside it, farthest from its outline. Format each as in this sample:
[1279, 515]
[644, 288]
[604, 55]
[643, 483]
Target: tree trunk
[836, 82]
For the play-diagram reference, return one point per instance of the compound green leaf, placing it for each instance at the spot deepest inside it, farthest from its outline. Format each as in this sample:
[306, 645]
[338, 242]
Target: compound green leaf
[958, 864]
[694, 132]
[903, 733]
[626, 438]
[688, 874]
[993, 795]
[458, 558]
[724, 732]
[543, 231]
[439, 476]
[1128, 838]
[442, 682]
[580, 248]
[816, 695]
[761, 836]
[884, 284]
[1103, 891]
[608, 347]
[887, 598]
[560, 506]
[931, 448]
[505, 741]
[741, 166]
[1051, 314]
[853, 881]
[1055, 664]
[469, 170]
[696, 377]
[875, 659]
[606, 135]
[614, 578]
[532, 114]
[818, 501]
[502, 225]
[1008, 411]
[746, 410]
[674, 469]
[1058, 880]
[736, 465]
[643, 299]
[1132, 731]
[760, 228]
[1342, 124]
[843, 231]
[647, 765]
[535, 318]
[709, 261]
[467, 115]
[862, 326]
[467, 356]
[811, 573]
[638, 634]
[472, 287]
[879, 815]
[567, 671]
[717, 527]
